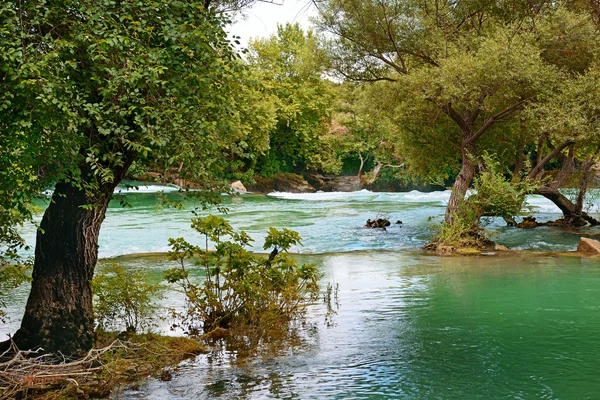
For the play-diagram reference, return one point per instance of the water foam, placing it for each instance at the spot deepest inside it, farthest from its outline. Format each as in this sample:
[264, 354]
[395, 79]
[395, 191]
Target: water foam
[321, 196]
[417, 196]
[146, 188]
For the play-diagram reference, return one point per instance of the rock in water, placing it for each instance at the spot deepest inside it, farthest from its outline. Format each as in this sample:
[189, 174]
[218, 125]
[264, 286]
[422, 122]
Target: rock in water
[377, 223]
[239, 186]
[588, 246]
[528, 223]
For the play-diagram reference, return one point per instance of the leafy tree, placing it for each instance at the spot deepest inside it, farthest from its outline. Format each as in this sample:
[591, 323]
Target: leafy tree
[567, 120]
[290, 65]
[358, 135]
[97, 85]
[454, 78]
[448, 73]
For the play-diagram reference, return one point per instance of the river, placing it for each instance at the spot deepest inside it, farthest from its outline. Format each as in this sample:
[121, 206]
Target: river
[409, 325]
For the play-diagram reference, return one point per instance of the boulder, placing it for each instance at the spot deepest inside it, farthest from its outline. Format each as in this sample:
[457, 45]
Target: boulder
[527, 223]
[500, 247]
[238, 186]
[282, 182]
[587, 245]
[334, 183]
[291, 183]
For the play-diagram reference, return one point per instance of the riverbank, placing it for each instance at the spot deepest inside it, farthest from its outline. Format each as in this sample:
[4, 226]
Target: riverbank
[118, 362]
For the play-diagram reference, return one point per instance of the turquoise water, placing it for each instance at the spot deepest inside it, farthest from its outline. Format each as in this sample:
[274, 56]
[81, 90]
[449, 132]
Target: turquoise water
[409, 325]
[412, 326]
[328, 222]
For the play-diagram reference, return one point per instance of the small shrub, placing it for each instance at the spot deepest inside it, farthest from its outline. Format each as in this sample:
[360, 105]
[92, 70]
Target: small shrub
[495, 195]
[464, 231]
[241, 288]
[123, 297]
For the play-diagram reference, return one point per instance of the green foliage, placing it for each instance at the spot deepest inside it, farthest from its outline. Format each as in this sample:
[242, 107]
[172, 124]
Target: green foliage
[240, 288]
[463, 231]
[495, 194]
[453, 78]
[290, 66]
[123, 297]
[137, 169]
[358, 136]
[88, 87]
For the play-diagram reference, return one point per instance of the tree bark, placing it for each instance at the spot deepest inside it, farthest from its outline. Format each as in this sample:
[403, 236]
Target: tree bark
[566, 206]
[59, 315]
[461, 184]
[585, 180]
[571, 215]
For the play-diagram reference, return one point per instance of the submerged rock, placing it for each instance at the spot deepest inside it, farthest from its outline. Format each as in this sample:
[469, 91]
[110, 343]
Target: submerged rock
[468, 251]
[587, 245]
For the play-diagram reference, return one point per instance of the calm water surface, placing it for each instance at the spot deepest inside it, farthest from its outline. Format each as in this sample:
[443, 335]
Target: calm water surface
[409, 325]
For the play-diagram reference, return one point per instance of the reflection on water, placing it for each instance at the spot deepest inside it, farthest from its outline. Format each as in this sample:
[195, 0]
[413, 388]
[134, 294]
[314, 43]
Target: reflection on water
[409, 326]
[422, 327]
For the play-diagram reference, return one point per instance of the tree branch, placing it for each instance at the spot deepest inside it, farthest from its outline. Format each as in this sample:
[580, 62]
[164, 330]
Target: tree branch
[490, 121]
[451, 112]
[536, 170]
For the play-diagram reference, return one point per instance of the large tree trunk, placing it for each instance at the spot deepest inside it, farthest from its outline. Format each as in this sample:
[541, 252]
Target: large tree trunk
[562, 202]
[59, 316]
[461, 184]
[571, 214]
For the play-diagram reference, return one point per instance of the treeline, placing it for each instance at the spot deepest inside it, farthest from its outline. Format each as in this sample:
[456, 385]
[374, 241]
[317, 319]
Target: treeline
[292, 115]
[465, 94]
[432, 93]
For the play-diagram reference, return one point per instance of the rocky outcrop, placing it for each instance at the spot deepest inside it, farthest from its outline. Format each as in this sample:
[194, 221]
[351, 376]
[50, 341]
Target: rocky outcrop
[284, 182]
[480, 246]
[527, 223]
[587, 245]
[334, 183]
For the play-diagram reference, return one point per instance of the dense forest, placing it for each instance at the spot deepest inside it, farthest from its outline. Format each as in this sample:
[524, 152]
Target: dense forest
[502, 97]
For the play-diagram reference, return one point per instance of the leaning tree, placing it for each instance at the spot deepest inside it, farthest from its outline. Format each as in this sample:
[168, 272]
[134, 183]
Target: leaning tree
[455, 77]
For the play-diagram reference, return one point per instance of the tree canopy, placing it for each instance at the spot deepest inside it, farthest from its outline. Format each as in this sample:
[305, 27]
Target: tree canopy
[89, 87]
[455, 78]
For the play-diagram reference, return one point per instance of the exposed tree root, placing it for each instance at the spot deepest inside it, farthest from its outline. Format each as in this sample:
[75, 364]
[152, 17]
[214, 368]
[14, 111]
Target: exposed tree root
[26, 372]
[33, 374]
